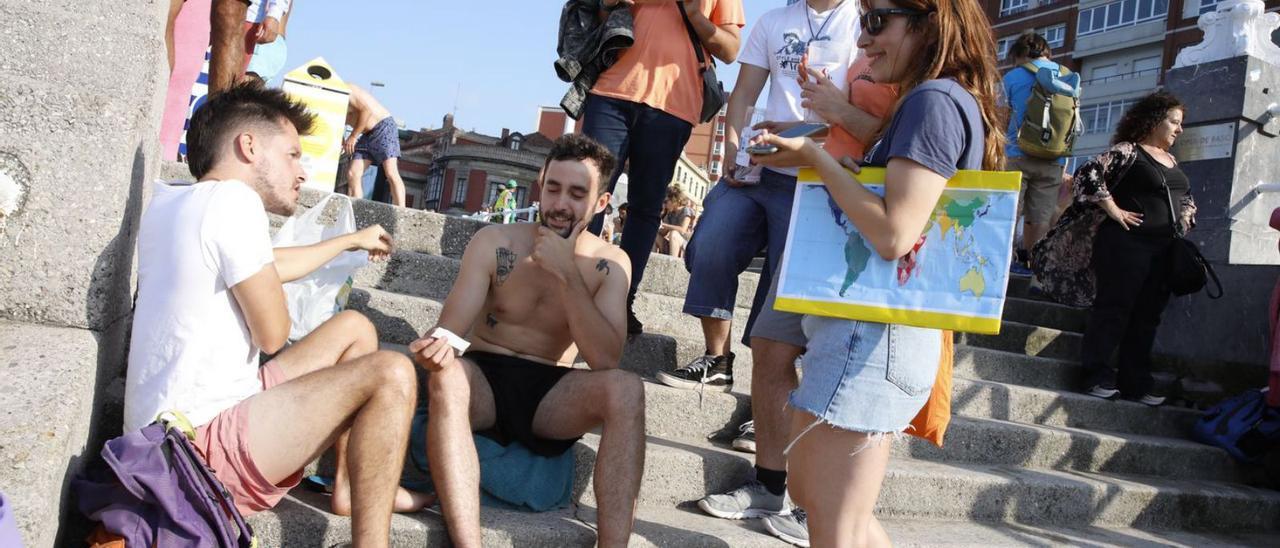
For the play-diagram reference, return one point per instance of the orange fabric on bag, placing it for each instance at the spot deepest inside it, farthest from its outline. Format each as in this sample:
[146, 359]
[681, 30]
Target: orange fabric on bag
[931, 423]
[101, 538]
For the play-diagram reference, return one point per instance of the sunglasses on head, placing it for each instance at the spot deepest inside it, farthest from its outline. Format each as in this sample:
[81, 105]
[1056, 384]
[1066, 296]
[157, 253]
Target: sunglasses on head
[874, 21]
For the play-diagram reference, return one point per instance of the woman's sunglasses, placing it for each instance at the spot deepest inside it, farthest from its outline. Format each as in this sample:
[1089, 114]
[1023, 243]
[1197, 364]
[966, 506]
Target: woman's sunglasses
[874, 21]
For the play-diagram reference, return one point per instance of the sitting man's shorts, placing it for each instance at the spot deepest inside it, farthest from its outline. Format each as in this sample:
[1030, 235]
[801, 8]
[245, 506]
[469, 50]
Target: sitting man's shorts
[379, 143]
[224, 442]
[518, 386]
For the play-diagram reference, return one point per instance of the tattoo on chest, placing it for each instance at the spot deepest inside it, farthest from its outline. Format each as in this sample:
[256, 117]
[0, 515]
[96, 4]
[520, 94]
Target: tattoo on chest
[603, 266]
[490, 321]
[506, 263]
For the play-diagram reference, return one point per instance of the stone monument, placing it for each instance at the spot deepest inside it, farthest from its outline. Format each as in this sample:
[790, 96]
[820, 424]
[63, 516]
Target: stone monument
[81, 90]
[1230, 84]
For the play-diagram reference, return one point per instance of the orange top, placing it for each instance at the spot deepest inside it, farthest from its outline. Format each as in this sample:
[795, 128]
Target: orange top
[661, 69]
[874, 99]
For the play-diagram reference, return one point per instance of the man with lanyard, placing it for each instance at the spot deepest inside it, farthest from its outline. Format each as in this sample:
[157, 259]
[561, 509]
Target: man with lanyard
[741, 218]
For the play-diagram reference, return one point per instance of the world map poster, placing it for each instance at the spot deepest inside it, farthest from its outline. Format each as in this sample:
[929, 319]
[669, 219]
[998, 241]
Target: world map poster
[956, 276]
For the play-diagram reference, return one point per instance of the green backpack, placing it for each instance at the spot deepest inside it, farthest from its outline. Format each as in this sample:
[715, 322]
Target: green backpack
[1051, 122]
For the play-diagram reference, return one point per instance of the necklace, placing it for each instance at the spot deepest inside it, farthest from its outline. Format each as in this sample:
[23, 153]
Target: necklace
[808, 17]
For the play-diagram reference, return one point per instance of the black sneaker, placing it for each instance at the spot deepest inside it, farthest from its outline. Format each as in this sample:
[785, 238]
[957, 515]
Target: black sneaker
[1104, 391]
[704, 371]
[634, 327]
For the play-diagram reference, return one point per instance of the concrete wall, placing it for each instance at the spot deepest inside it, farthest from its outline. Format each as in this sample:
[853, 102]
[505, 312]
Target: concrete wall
[81, 95]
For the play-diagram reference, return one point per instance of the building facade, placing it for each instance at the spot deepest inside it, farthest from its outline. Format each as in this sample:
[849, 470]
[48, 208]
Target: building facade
[1121, 48]
[705, 148]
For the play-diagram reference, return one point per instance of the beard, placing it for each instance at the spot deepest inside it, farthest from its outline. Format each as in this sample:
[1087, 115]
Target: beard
[560, 216]
[275, 197]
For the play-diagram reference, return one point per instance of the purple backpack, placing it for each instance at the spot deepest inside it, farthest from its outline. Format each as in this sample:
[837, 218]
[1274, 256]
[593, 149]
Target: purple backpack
[152, 488]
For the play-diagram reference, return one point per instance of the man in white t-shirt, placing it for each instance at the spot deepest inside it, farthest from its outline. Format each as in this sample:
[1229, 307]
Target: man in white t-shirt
[210, 300]
[740, 220]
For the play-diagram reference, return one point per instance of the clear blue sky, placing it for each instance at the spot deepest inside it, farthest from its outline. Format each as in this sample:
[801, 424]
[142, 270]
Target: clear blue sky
[498, 54]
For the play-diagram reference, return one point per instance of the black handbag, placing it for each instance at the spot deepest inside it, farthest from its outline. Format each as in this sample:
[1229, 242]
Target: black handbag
[1189, 272]
[713, 96]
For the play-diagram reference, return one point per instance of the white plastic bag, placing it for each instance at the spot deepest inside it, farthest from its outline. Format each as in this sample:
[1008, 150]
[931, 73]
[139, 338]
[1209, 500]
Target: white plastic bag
[315, 298]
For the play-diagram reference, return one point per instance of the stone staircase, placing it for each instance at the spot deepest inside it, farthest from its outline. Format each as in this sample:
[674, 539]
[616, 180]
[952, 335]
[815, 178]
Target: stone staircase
[1026, 461]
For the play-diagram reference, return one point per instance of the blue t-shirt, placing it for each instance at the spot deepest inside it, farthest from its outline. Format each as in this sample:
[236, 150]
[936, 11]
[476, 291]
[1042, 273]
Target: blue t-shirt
[938, 125]
[1017, 89]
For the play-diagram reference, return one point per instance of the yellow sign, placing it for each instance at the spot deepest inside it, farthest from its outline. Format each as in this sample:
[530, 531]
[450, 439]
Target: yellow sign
[316, 85]
[954, 278]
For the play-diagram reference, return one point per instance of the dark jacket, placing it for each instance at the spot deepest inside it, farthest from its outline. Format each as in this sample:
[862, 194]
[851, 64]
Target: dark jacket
[1063, 260]
[587, 46]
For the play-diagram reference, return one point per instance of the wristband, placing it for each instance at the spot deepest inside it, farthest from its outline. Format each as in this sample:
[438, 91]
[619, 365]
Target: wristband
[459, 344]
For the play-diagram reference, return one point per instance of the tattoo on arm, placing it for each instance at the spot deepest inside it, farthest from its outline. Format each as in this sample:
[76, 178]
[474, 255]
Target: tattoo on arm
[603, 266]
[506, 263]
[490, 321]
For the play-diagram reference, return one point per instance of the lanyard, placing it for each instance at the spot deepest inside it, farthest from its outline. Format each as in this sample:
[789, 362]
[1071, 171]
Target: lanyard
[815, 35]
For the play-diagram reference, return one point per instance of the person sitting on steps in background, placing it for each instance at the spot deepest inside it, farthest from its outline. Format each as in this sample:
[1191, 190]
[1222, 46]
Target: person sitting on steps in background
[374, 138]
[210, 299]
[530, 298]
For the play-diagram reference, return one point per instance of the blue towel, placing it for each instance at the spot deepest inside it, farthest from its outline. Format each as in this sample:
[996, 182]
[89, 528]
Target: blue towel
[511, 477]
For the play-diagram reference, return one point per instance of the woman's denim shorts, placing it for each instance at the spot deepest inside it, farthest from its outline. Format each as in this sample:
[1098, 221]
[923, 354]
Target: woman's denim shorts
[864, 376]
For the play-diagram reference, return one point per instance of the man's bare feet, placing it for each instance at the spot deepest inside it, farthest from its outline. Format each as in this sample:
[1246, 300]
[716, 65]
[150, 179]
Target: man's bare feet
[406, 501]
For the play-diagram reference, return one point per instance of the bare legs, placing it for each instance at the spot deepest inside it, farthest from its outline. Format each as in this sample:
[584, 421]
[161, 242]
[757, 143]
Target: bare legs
[716, 332]
[372, 395]
[835, 475]
[391, 167]
[226, 36]
[773, 377]
[355, 177]
[461, 401]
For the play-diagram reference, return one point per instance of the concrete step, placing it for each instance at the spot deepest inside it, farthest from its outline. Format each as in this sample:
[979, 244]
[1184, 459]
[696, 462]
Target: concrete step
[647, 354]
[302, 520]
[677, 472]
[1027, 405]
[685, 415]
[1045, 314]
[49, 389]
[1031, 340]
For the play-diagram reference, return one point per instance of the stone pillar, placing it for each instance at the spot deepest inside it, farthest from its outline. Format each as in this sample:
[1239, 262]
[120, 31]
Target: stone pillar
[1229, 146]
[81, 90]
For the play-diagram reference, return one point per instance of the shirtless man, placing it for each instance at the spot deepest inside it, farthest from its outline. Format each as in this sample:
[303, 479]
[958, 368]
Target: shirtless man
[374, 139]
[545, 292]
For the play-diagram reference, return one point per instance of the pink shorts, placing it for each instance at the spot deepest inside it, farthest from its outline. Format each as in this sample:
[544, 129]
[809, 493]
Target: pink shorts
[224, 442]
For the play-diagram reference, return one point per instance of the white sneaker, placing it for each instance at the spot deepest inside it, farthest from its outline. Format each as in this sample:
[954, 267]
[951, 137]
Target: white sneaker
[746, 441]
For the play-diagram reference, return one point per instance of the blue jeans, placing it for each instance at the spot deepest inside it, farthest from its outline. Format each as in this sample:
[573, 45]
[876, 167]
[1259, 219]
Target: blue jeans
[651, 141]
[736, 224]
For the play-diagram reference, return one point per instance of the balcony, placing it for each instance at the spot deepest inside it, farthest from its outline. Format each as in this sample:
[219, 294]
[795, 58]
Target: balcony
[1120, 85]
[1120, 38]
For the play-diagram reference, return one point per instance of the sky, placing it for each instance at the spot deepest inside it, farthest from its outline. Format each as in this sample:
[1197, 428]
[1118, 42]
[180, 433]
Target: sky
[489, 61]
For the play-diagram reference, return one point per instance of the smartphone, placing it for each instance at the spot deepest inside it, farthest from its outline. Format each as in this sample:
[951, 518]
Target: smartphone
[802, 130]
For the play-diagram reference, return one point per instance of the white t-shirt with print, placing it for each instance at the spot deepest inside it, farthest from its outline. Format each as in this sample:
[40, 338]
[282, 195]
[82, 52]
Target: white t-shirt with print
[191, 349]
[778, 41]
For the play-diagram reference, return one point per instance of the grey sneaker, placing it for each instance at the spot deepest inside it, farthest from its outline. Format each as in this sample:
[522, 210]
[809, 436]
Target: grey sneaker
[746, 441]
[751, 500]
[792, 527]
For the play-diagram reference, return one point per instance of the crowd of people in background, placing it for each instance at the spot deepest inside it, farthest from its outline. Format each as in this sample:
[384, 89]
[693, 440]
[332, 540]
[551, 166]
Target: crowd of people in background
[921, 97]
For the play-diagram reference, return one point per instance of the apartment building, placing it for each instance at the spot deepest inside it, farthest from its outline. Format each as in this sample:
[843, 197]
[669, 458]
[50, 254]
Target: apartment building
[1121, 48]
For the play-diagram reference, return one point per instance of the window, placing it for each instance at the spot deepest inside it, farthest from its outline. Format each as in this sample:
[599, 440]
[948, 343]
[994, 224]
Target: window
[718, 148]
[1119, 14]
[434, 189]
[1003, 45]
[1008, 7]
[1145, 64]
[720, 128]
[460, 190]
[515, 142]
[1103, 117]
[1056, 35]
[408, 201]
[1103, 71]
[1207, 6]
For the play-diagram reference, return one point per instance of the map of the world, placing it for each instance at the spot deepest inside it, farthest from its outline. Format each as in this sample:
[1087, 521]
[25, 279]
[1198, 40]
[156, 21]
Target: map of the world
[954, 277]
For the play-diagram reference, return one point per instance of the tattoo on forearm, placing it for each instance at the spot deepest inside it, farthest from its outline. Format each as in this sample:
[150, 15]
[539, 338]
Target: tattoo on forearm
[490, 321]
[506, 263]
[603, 266]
